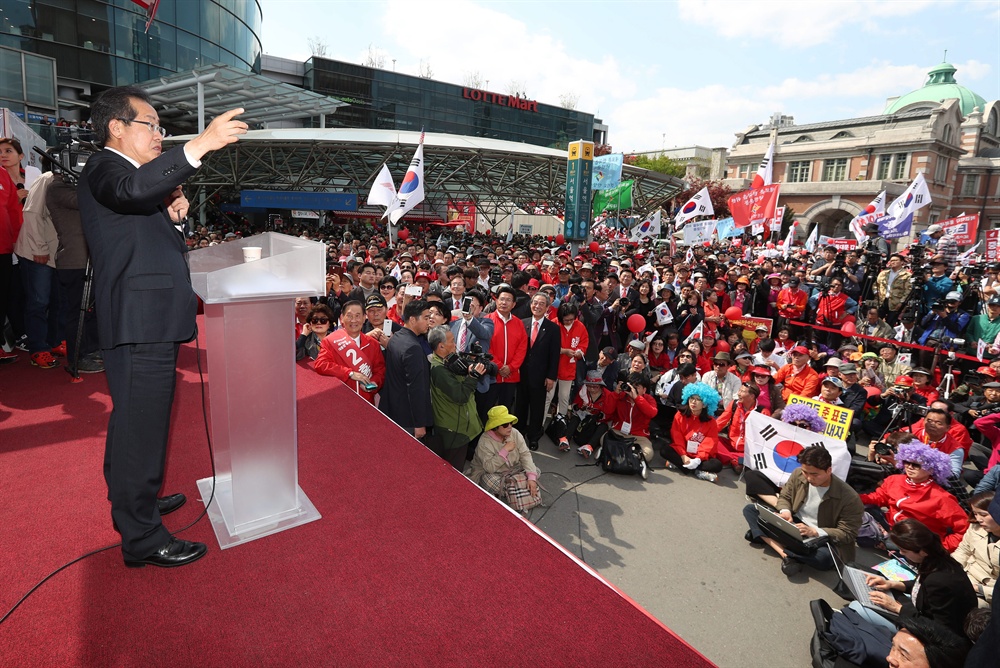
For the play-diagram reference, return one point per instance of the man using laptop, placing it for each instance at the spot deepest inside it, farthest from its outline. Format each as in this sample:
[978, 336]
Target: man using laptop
[819, 504]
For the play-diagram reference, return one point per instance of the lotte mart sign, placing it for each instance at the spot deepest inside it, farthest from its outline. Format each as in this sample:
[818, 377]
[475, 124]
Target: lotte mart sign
[579, 172]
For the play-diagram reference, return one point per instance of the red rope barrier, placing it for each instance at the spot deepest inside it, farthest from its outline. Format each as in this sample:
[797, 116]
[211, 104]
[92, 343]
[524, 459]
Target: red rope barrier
[915, 346]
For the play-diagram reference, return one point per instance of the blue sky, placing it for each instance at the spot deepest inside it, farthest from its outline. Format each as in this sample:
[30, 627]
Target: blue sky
[665, 74]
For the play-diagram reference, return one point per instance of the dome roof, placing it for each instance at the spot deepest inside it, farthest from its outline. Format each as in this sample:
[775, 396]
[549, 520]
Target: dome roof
[940, 86]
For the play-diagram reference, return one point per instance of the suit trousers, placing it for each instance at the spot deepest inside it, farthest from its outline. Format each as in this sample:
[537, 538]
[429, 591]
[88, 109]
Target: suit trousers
[141, 379]
[531, 409]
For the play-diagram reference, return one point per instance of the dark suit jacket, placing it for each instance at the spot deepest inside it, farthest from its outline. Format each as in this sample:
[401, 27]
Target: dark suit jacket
[406, 394]
[142, 284]
[542, 359]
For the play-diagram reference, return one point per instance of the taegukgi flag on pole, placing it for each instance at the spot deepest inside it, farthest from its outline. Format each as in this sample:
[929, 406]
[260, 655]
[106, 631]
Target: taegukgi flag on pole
[699, 205]
[870, 214]
[813, 238]
[647, 228]
[696, 334]
[899, 216]
[772, 447]
[411, 190]
[764, 170]
[663, 315]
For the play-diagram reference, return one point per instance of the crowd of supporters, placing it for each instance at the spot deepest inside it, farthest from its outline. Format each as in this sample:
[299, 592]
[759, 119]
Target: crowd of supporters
[481, 346]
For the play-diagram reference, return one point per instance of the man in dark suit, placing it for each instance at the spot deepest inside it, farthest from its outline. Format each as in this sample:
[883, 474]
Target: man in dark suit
[131, 206]
[406, 394]
[539, 370]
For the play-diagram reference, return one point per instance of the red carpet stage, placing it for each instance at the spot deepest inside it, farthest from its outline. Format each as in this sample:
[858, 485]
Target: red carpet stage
[411, 564]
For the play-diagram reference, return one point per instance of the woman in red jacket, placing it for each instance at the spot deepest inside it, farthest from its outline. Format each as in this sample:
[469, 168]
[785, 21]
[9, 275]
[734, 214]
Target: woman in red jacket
[572, 348]
[918, 493]
[694, 434]
[730, 449]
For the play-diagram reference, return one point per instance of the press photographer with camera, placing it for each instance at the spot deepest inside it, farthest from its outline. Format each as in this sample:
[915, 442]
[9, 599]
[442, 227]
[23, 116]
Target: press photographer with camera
[453, 399]
[893, 286]
[634, 408]
[832, 307]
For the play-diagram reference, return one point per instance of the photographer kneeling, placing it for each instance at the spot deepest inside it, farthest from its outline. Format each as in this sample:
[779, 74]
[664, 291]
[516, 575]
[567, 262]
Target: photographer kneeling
[634, 407]
[453, 399]
[824, 505]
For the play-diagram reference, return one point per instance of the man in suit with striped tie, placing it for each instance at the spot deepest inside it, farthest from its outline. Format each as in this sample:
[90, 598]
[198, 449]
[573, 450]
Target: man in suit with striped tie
[539, 371]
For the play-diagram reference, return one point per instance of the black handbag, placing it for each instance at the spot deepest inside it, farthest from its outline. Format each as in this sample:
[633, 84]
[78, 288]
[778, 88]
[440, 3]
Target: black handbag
[620, 455]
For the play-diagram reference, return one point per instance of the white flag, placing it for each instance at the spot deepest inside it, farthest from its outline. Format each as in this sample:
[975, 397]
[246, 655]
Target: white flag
[647, 228]
[510, 230]
[696, 334]
[764, 170]
[411, 190]
[383, 191]
[811, 241]
[772, 448]
[915, 197]
[786, 245]
[699, 205]
[966, 257]
[869, 215]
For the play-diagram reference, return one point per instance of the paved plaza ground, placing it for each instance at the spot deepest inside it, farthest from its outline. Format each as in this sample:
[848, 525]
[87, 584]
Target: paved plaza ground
[675, 545]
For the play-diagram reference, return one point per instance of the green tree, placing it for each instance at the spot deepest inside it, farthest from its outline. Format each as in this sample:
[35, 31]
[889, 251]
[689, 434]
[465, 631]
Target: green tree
[661, 164]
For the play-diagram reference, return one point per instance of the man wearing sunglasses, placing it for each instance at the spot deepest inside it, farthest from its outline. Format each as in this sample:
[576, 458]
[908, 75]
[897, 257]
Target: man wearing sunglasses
[132, 209]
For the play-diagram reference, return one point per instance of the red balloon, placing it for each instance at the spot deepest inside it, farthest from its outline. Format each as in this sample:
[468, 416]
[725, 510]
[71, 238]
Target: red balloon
[404, 234]
[560, 239]
[636, 323]
[722, 346]
[489, 232]
[594, 246]
[734, 313]
[848, 328]
[549, 238]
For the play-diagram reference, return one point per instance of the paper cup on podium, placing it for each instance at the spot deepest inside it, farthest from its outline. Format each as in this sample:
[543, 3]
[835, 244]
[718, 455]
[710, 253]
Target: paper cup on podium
[251, 253]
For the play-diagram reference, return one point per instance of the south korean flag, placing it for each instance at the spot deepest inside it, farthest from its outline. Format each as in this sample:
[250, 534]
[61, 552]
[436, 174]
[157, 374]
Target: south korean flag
[773, 447]
[699, 205]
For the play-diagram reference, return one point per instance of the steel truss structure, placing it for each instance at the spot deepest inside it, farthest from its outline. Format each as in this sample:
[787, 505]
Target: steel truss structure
[498, 175]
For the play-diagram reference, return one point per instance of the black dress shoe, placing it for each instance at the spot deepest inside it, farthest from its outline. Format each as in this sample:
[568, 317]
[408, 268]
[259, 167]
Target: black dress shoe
[177, 552]
[169, 504]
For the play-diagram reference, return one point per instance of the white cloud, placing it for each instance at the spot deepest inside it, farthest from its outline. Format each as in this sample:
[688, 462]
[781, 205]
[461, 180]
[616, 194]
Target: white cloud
[793, 22]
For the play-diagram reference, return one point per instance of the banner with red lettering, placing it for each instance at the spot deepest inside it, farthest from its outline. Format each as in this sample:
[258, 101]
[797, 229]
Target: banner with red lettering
[962, 228]
[992, 251]
[840, 243]
[754, 206]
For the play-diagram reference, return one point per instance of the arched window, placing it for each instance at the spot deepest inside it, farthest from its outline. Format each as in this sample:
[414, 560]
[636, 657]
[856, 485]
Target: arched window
[947, 134]
[991, 124]
[802, 138]
[843, 134]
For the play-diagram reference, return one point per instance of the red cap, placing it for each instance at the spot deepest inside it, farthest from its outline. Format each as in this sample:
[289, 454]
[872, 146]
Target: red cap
[422, 274]
[801, 350]
[533, 283]
[987, 371]
[903, 381]
[760, 370]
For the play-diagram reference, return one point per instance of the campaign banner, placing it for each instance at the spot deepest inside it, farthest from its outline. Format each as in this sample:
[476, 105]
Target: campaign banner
[726, 228]
[962, 228]
[992, 251]
[890, 228]
[774, 223]
[754, 206]
[838, 419]
[607, 172]
[462, 213]
[699, 231]
[772, 447]
[750, 325]
[841, 243]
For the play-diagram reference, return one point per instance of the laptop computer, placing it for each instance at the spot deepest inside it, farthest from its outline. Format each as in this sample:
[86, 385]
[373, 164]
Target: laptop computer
[855, 580]
[776, 521]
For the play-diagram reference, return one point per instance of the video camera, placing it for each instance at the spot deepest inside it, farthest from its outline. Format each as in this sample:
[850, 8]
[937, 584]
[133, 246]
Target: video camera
[463, 364]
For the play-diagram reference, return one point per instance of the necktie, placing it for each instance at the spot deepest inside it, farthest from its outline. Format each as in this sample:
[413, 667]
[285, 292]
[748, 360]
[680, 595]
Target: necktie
[463, 336]
[534, 332]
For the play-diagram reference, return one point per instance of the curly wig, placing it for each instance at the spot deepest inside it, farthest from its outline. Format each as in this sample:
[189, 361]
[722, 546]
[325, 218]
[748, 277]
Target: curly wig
[707, 394]
[934, 461]
[804, 413]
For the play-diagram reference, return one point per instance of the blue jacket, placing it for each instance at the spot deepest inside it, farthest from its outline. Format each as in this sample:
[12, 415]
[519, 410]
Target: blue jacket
[936, 327]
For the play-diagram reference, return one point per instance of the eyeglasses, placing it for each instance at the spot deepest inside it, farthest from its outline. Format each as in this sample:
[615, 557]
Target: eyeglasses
[319, 321]
[152, 126]
[915, 465]
[504, 426]
[387, 287]
[721, 364]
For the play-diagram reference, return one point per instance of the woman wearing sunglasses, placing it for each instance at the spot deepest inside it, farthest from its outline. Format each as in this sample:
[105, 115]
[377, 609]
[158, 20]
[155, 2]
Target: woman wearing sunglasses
[315, 328]
[502, 454]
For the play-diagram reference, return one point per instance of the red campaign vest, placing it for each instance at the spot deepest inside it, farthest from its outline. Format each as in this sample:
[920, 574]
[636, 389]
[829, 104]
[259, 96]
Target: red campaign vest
[831, 308]
[351, 353]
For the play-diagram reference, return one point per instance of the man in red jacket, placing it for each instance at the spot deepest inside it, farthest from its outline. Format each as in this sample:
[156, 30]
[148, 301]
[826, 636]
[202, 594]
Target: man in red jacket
[508, 346]
[10, 227]
[355, 359]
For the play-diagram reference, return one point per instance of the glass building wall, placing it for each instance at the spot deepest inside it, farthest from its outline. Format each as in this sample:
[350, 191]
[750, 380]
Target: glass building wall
[104, 42]
[382, 99]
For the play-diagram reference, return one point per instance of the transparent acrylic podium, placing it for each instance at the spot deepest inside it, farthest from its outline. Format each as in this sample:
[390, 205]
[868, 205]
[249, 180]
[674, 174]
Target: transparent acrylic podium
[249, 315]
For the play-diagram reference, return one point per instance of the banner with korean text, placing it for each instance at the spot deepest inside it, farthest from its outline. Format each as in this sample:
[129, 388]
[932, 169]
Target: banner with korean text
[698, 232]
[962, 228]
[754, 206]
[772, 448]
[838, 419]
[992, 251]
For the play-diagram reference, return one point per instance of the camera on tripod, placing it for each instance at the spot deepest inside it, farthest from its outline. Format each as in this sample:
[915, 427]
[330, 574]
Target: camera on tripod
[463, 364]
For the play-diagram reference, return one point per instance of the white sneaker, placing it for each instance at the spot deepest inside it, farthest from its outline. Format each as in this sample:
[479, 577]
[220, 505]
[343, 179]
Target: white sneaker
[705, 475]
[644, 470]
[585, 450]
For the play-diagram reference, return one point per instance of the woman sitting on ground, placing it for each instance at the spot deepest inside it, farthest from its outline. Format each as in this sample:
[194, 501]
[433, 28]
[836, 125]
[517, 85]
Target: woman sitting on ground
[694, 435]
[315, 328]
[501, 452]
[770, 393]
[920, 493]
[941, 591]
[758, 486]
[734, 417]
[979, 551]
